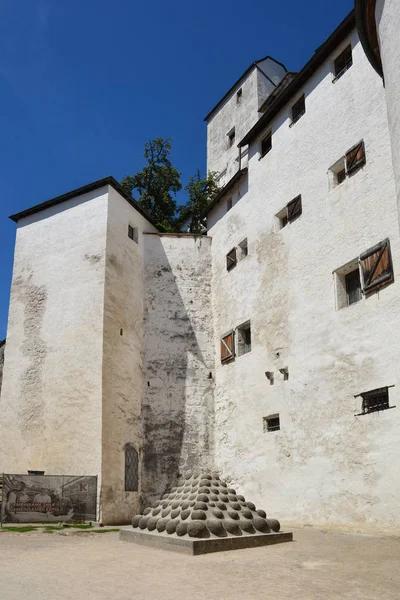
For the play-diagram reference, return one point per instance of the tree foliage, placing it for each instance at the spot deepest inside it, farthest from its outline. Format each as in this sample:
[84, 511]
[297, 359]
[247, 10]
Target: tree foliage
[201, 192]
[155, 186]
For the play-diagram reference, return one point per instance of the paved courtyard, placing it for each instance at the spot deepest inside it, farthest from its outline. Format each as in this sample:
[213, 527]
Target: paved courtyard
[316, 566]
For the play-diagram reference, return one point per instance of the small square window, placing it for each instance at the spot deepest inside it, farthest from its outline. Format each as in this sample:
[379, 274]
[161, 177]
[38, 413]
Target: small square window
[298, 109]
[244, 338]
[133, 233]
[291, 212]
[348, 284]
[243, 249]
[239, 95]
[375, 400]
[228, 204]
[231, 259]
[343, 62]
[266, 144]
[271, 423]
[231, 137]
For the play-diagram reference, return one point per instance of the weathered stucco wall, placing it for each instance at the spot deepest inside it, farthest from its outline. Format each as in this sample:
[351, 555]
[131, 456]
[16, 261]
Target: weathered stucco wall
[178, 360]
[51, 395]
[325, 465]
[387, 13]
[2, 349]
[122, 357]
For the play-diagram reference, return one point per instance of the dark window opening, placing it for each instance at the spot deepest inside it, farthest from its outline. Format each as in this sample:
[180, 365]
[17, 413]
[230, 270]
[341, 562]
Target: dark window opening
[343, 62]
[231, 137]
[239, 95]
[131, 469]
[340, 176]
[353, 286]
[228, 204]
[231, 259]
[244, 338]
[375, 400]
[266, 144]
[243, 247]
[133, 233]
[298, 109]
[228, 346]
[271, 423]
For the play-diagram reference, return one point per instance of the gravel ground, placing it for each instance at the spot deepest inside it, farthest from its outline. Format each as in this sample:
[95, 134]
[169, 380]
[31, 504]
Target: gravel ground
[316, 566]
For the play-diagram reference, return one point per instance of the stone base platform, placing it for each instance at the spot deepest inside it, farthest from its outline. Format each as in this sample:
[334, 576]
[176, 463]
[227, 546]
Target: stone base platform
[202, 546]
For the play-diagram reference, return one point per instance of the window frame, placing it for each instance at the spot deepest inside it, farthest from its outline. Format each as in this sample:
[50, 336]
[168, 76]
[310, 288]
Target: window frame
[301, 99]
[243, 346]
[267, 136]
[368, 406]
[339, 72]
[231, 135]
[266, 423]
[231, 261]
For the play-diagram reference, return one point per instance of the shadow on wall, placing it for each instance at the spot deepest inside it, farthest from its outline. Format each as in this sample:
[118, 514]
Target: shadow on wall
[177, 409]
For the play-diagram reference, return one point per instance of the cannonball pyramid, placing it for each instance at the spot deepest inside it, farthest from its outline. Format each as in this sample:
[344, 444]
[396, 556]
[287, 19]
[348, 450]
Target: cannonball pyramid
[202, 507]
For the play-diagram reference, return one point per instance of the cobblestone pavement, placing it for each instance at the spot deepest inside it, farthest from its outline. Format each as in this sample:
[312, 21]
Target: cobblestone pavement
[316, 566]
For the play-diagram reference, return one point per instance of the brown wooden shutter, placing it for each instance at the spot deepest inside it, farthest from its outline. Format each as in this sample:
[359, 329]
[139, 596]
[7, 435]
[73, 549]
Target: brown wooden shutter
[294, 208]
[228, 346]
[355, 158]
[376, 266]
[231, 259]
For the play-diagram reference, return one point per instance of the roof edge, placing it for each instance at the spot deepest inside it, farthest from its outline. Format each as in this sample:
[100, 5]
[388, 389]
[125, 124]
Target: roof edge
[366, 27]
[237, 176]
[318, 58]
[79, 192]
[247, 72]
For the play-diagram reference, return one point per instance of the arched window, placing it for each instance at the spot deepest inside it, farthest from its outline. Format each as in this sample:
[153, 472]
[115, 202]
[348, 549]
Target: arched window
[131, 469]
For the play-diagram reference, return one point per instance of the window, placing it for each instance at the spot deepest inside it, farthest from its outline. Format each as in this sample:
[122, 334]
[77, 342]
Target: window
[239, 95]
[355, 158]
[244, 338]
[376, 267]
[291, 212]
[298, 109]
[271, 423]
[348, 164]
[228, 347]
[369, 273]
[133, 233]
[343, 62]
[131, 469]
[353, 286]
[375, 400]
[228, 204]
[243, 249]
[231, 259]
[231, 137]
[266, 144]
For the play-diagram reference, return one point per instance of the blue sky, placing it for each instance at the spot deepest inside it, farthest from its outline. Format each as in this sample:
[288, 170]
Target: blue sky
[85, 83]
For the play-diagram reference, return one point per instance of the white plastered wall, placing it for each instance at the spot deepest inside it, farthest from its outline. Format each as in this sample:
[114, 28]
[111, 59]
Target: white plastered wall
[122, 358]
[325, 465]
[52, 390]
[178, 366]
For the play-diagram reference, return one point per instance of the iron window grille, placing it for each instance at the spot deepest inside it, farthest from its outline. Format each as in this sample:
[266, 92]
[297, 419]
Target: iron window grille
[375, 400]
[272, 423]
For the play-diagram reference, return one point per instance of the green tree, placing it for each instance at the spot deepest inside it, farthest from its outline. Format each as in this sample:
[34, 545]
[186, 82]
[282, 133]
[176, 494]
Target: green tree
[201, 193]
[155, 186]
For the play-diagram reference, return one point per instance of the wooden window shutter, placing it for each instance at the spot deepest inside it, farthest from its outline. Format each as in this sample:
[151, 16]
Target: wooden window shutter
[294, 209]
[376, 266]
[228, 346]
[231, 259]
[355, 157]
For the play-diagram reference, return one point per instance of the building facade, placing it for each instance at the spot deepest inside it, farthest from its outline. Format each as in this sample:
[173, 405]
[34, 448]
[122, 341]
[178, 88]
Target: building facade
[266, 349]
